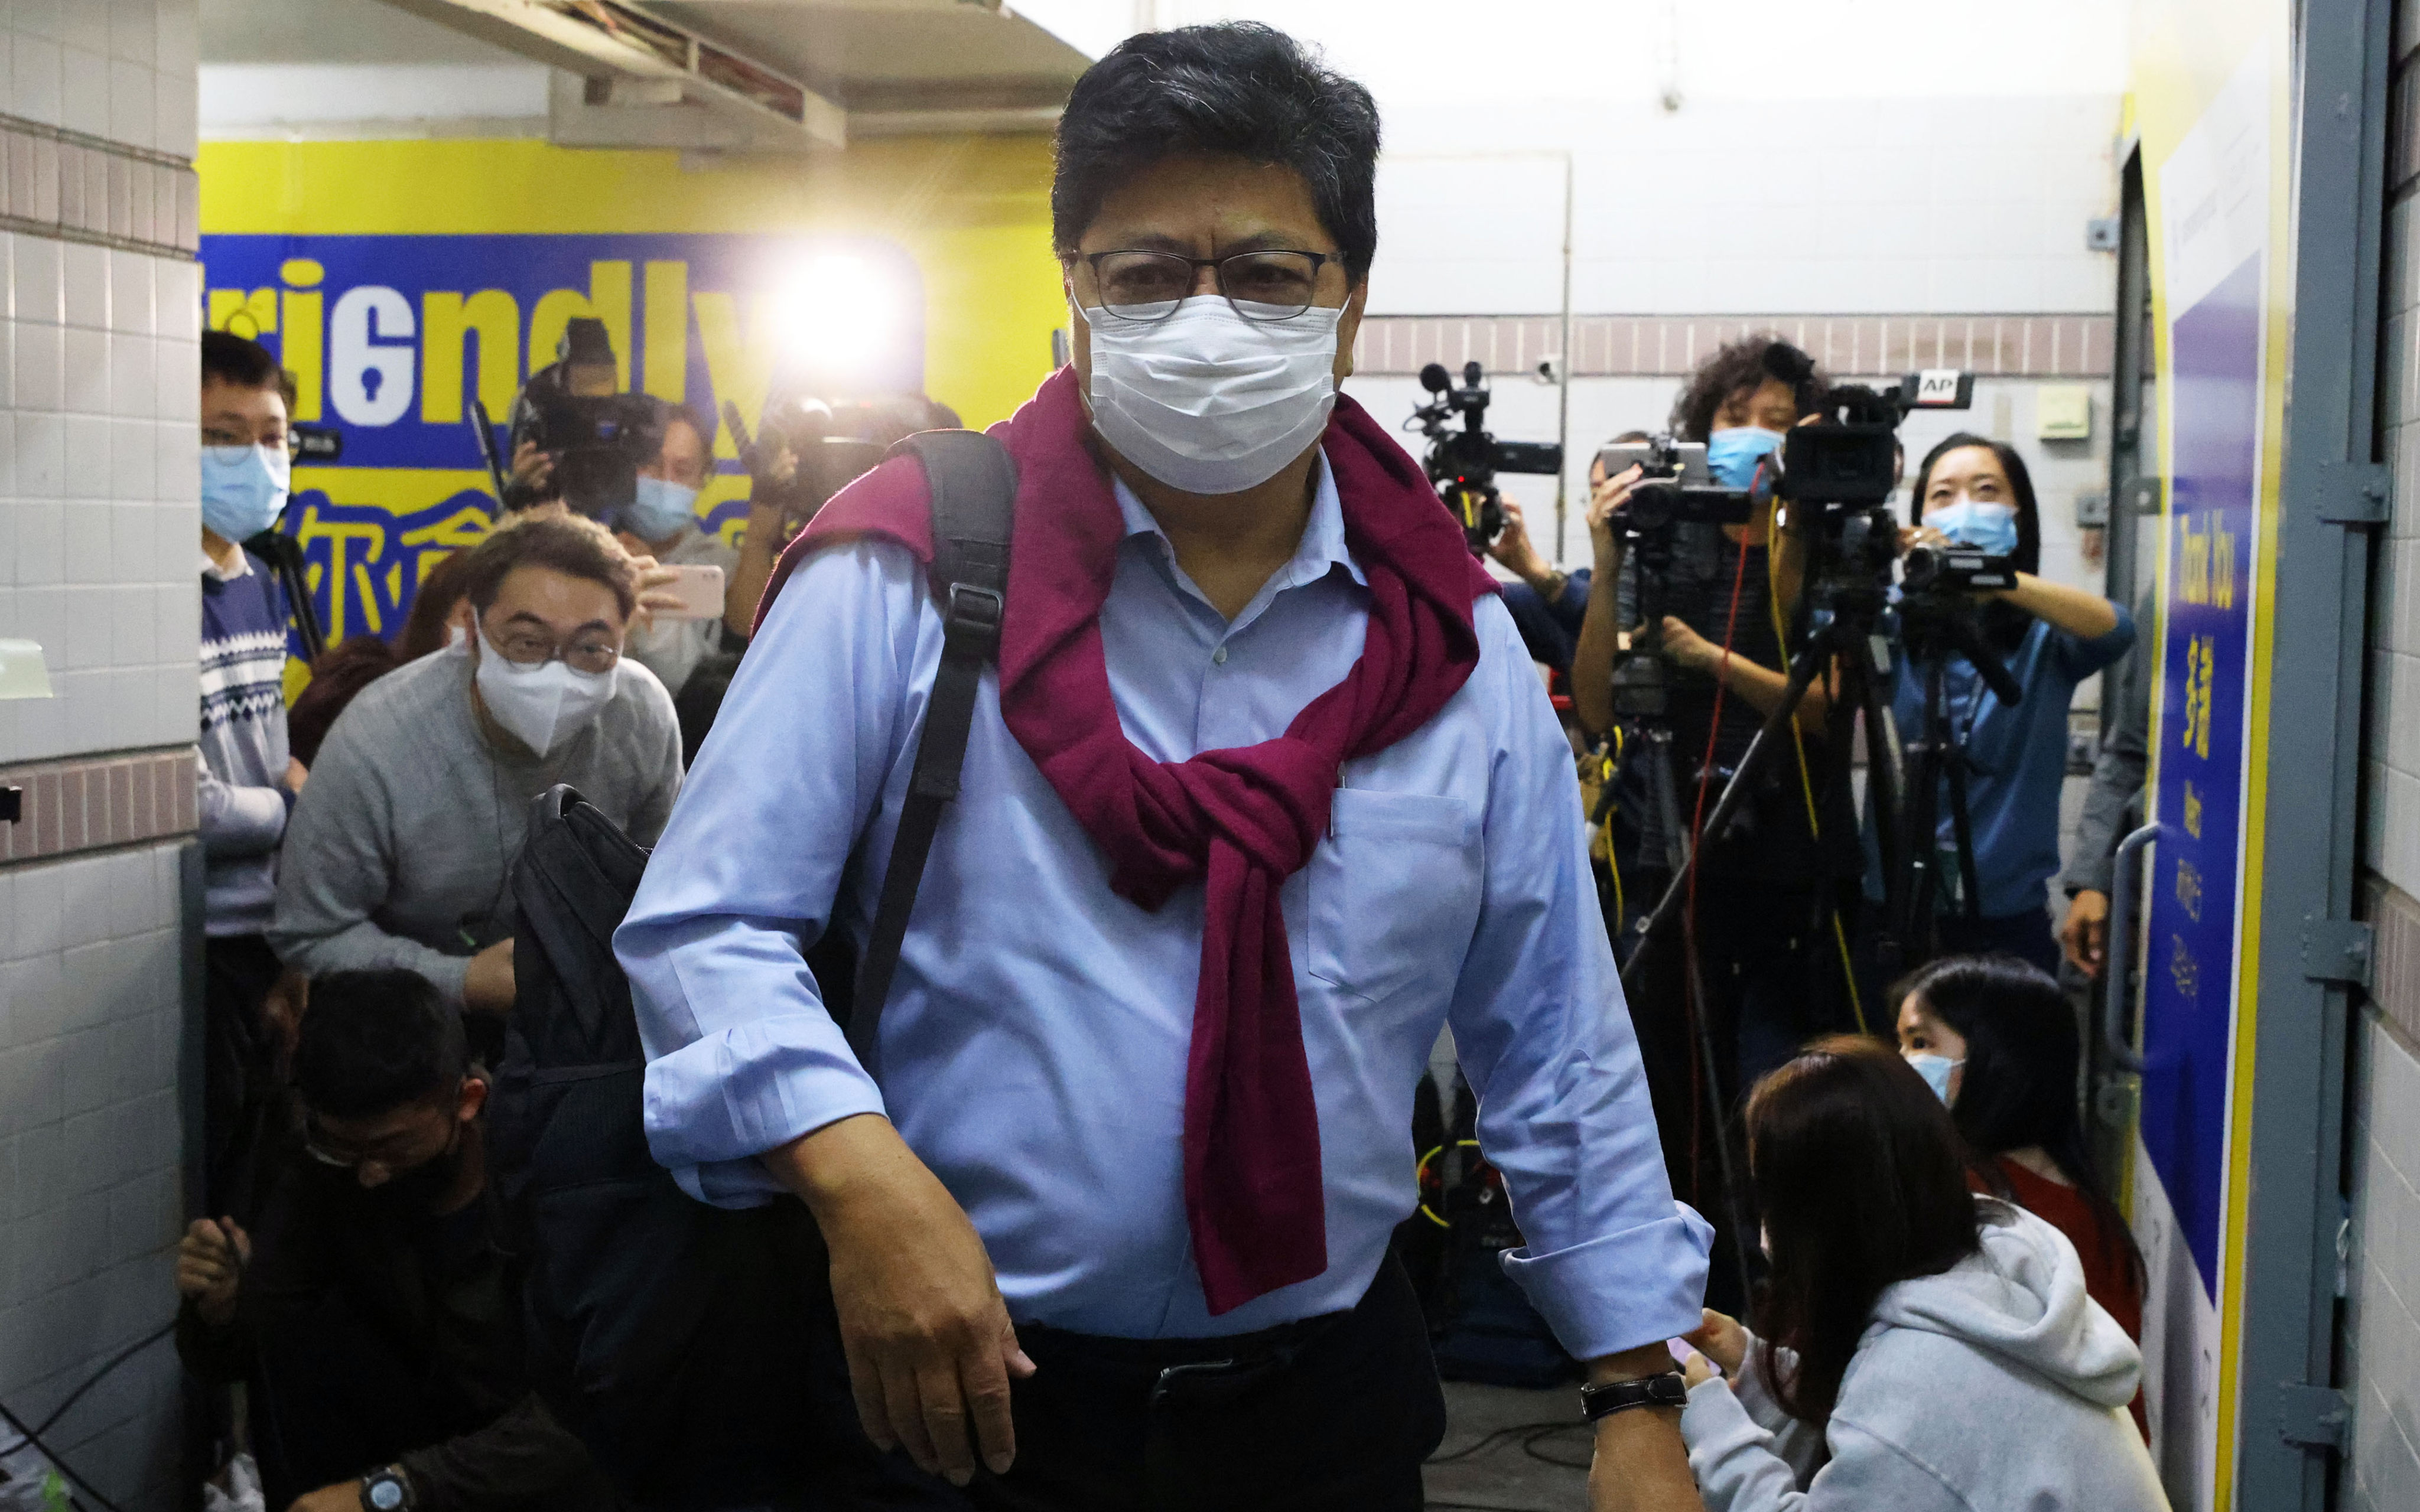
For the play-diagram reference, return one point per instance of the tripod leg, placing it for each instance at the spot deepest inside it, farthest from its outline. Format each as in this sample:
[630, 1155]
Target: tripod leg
[1719, 1113]
[1667, 803]
[1886, 782]
[1962, 827]
[1802, 673]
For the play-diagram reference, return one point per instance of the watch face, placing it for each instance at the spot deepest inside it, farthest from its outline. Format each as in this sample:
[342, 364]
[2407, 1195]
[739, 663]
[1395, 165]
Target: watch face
[386, 1494]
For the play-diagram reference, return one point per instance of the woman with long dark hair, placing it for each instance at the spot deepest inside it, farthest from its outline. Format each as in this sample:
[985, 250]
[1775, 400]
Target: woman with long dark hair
[1974, 492]
[1941, 1343]
[1996, 1039]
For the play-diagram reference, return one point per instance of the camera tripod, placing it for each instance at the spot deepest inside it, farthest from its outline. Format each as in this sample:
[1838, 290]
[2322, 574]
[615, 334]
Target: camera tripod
[1933, 625]
[1641, 698]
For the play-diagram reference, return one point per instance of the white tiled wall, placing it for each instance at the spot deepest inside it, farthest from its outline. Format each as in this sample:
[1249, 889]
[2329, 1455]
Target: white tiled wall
[88, 1154]
[2392, 843]
[99, 473]
[1917, 206]
[2381, 1325]
[120, 70]
[99, 530]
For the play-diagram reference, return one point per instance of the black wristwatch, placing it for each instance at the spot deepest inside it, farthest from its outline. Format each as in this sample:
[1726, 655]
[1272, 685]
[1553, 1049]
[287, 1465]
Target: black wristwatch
[387, 1489]
[1666, 1388]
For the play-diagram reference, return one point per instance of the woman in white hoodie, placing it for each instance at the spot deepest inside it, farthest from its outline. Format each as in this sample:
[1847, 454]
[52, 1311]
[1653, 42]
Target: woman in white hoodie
[1940, 1344]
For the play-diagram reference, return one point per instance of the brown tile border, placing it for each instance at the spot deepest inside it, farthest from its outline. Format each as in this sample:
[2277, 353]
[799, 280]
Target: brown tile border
[80, 188]
[1621, 346]
[2395, 953]
[89, 803]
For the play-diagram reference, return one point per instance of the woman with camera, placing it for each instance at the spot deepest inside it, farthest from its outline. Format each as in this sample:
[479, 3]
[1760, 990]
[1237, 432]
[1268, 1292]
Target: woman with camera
[1719, 597]
[1974, 493]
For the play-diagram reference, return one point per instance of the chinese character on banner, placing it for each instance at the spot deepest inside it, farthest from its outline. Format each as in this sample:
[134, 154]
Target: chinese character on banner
[2201, 670]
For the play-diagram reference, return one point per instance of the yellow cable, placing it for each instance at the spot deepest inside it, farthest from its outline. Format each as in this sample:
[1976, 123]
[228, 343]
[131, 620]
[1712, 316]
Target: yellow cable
[1420, 1173]
[1613, 862]
[1806, 781]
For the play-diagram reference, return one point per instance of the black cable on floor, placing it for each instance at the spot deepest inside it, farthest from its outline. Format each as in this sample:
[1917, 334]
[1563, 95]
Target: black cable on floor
[1490, 1441]
[56, 1464]
[34, 1434]
[94, 1379]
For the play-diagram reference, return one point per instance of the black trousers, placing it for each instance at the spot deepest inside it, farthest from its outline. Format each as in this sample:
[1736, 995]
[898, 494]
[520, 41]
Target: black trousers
[1331, 1413]
[240, 1092]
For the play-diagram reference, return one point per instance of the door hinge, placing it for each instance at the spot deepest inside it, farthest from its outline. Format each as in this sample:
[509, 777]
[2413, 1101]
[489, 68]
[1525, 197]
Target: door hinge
[2337, 950]
[2313, 1417]
[2354, 493]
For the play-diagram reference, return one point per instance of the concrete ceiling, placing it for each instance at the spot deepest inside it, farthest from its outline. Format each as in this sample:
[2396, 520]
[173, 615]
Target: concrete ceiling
[748, 75]
[332, 31]
[894, 55]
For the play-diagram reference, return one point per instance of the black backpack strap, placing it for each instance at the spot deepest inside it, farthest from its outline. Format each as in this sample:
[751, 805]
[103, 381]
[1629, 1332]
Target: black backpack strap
[284, 554]
[973, 486]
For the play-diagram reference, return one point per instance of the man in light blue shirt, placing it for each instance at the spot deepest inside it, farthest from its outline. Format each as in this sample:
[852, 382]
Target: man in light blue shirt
[1018, 1192]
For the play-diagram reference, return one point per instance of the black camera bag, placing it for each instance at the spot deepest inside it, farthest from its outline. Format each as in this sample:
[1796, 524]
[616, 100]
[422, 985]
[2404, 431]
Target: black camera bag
[694, 1349]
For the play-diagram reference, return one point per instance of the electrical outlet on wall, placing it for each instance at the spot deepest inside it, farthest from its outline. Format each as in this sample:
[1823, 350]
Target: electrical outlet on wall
[2063, 412]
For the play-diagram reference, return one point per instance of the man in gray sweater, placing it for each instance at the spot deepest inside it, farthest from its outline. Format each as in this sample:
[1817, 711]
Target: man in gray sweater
[400, 850]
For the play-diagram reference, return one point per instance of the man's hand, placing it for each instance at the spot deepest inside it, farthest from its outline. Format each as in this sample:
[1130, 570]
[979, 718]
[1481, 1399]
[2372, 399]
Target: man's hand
[344, 1496]
[295, 773]
[1641, 1464]
[2084, 936]
[488, 985]
[282, 1007]
[929, 1344]
[1604, 500]
[532, 468]
[209, 1267]
[1519, 554]
[654, 596]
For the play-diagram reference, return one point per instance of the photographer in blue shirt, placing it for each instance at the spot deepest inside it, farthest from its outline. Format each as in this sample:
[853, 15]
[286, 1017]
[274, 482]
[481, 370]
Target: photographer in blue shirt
[1974, 492]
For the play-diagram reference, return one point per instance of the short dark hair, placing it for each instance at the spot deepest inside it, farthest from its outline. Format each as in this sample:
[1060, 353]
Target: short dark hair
[2023, 1052]
[1860, 1174]
[572, 544]
[1233, 89]
[373, 1042]
[239, 361]
[1743, 366]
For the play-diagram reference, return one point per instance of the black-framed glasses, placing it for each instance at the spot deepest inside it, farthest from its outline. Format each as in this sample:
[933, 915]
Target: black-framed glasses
[527, 649]
[1266, 287]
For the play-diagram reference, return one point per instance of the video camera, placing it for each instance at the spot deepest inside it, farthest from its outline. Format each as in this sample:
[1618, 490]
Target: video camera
[598, 438]
[1841, 469]
[1674, 485]
[1463, 463]
[1955, 570]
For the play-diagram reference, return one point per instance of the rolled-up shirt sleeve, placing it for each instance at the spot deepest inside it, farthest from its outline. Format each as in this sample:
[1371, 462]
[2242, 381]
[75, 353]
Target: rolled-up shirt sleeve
[743, 1056]
[1610, 1260]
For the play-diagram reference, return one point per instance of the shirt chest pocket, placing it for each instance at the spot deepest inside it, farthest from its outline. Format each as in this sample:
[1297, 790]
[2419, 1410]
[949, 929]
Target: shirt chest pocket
[1394, 892]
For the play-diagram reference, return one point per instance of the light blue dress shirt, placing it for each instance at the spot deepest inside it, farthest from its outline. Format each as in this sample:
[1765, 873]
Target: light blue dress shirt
[1034, 1048]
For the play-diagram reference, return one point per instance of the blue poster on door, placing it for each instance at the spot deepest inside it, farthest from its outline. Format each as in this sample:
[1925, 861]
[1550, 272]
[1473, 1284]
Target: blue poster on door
[2189, 967]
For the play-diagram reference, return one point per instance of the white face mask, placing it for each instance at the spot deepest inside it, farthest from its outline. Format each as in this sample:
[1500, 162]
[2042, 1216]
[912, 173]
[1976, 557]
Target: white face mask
[540, 707]
[1208, 401]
